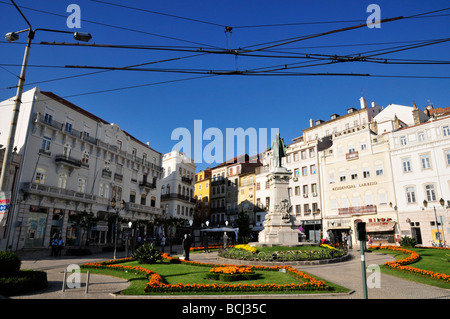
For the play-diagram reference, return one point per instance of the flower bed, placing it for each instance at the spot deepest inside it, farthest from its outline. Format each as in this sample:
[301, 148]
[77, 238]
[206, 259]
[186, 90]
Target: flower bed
[231, 273]
[156, 284]
[401, 264]
[247, 248]
[215, 246]
[246, 252]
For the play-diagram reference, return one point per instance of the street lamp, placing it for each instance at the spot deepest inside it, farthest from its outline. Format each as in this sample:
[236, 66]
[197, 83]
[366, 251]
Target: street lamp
[117, 210]
[191, 222]
[10, 37]
[314, 221]
[442, 202]
[130, 245]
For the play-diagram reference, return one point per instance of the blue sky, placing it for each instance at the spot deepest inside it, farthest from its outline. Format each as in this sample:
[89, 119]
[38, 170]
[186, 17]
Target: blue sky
[152, 112]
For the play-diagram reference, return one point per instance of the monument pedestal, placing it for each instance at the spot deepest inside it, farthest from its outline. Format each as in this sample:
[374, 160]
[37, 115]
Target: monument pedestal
[279, 228]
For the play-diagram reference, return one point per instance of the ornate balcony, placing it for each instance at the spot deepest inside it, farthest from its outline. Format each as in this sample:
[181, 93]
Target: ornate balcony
[61, 193]
[147, 185]
[186, 180]
[67, 160]
[352, 156]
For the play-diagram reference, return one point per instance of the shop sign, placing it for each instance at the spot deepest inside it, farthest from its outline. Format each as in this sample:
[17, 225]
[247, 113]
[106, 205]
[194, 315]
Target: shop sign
[5, 200]
[380, 226]
[354, 186]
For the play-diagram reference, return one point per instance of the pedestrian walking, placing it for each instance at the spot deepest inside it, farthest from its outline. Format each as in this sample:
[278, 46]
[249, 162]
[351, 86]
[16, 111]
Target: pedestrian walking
[54, 246]
[60, 246]
[163, 242]
[205, 242]
[186, 246]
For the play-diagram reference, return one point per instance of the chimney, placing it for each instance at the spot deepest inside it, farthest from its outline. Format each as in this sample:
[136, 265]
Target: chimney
[374, 126]
[148, 144]
[311, 122]
[374, 104]
[363, 103]
[396, 122]
[415, 114]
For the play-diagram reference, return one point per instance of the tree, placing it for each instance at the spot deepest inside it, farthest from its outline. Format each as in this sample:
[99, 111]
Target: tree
[83, 220]
[243, 223]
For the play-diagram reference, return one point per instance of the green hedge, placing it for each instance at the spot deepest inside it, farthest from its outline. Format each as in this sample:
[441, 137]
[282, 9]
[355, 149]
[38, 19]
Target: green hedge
[22, 282]
[230, 277]
[9, 264]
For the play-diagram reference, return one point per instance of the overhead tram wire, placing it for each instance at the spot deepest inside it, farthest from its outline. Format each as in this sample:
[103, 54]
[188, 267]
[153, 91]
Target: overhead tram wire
[293, 40]
[116, 26]
[420, 15]
[103, 71]
[160, 13]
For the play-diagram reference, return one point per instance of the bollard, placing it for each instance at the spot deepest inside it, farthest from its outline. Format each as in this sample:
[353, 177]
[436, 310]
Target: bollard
[64, 280]
[87, 282]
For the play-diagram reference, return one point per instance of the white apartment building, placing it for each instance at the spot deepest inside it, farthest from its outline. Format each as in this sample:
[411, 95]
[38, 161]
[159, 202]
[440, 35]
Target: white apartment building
[74, 161]
[304, 188]
[357, 186]
[177, 190]
[421, 169]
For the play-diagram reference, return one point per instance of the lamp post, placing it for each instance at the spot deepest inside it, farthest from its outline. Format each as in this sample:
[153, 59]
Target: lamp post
[10, 37]
[442, 202]
[191, 222]
[314, 221]
[130, 225]
[117, 210]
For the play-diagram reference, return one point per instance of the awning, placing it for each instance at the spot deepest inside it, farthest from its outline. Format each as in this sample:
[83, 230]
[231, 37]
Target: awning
[380, 226]
[257, 228]
[221, 229]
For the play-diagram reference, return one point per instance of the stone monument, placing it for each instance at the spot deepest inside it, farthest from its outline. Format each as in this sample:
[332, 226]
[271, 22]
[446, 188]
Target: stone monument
[279, 226]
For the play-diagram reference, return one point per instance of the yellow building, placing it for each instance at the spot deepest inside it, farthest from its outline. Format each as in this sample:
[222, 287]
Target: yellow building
[246, 196]
[202, 194]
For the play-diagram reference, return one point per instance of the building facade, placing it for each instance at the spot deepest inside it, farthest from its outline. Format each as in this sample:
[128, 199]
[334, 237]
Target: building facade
[177, 190]
[202, 195]
[73, 163]
[304, 187]
[421, 169]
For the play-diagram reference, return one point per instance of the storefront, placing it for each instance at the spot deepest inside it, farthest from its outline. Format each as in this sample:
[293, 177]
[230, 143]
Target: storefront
[381, 232]
[36, 223]
[312, 230]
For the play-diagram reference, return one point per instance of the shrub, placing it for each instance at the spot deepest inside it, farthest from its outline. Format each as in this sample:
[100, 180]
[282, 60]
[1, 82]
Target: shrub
[408, 242]
[147, 254]
[9, 264]
[22, 282]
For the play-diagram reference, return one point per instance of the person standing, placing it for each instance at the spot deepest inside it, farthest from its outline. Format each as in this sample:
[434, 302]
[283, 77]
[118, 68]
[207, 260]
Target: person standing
[54, 246]
[186, 246]
[60, 246]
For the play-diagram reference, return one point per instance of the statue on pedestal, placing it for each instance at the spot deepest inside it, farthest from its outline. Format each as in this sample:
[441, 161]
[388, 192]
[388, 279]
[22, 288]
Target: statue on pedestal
[278, 150]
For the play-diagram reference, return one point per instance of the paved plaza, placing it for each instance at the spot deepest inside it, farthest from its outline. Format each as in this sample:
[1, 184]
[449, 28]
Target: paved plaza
[346, 274]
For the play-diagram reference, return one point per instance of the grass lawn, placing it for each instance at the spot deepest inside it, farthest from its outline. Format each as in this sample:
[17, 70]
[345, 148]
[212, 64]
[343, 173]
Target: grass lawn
[189, 274]
[435, 260]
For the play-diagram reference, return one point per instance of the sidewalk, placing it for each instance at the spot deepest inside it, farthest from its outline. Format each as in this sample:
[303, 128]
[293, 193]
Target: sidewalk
[346, 274]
